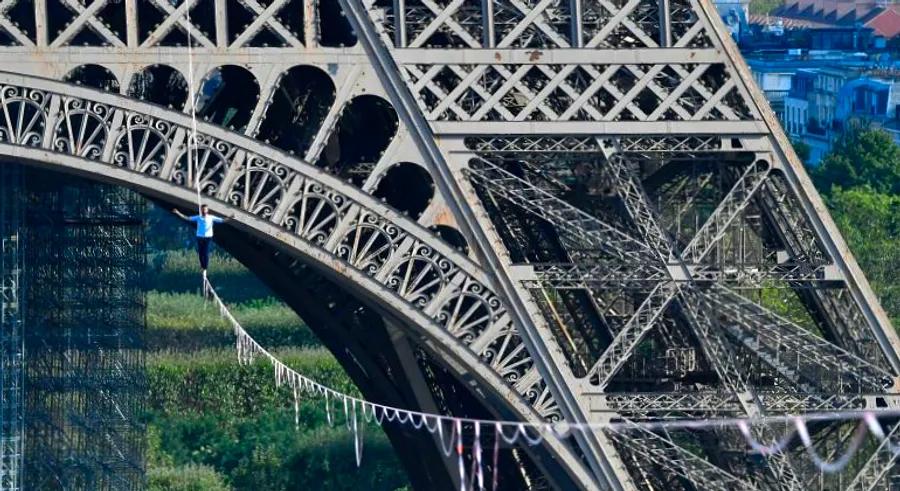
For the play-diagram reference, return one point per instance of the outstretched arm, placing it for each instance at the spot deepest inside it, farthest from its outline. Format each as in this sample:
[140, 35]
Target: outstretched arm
[218, 219]
[181, 215]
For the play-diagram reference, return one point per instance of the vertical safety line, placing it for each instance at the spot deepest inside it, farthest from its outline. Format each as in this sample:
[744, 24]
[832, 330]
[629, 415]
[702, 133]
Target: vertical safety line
[192, 140]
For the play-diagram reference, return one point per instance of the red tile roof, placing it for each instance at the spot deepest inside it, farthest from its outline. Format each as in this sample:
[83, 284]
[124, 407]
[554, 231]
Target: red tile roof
[800, 14]
[887, 23]
[787, 22]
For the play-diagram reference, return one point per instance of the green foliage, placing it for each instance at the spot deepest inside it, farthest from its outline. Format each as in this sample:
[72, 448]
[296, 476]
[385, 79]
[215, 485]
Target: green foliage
[870, 222]
[860, 180]
[266, 452]
[802, 149]
[764, 6]
[185, 478]
[786, 303]
[185, 322]
[179, 271]
[862, 156]
[210, 381]
[206, 409]
[215, 425]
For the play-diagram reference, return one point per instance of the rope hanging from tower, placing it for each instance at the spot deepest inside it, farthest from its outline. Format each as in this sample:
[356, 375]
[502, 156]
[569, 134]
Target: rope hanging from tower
[193, 94]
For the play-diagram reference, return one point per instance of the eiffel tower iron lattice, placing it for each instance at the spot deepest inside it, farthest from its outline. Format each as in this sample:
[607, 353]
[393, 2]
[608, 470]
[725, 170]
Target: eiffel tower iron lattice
[577, 210]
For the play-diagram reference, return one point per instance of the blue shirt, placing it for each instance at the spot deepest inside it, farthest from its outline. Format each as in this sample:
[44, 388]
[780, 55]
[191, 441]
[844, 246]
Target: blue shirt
[205, 224]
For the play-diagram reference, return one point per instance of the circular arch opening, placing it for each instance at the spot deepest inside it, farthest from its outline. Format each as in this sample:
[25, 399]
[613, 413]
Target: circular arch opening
[96, 76]
[451, 236]
[299, 104]
[366, 127]
[227, 97]
[407, 187]
[160, 84]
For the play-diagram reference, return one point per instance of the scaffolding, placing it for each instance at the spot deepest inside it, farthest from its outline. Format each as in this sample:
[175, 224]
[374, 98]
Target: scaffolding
[85, 308]
[11, 345]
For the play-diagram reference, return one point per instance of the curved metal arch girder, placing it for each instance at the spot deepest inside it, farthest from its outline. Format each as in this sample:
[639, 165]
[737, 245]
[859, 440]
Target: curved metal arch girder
[383, 375]
[342, 231]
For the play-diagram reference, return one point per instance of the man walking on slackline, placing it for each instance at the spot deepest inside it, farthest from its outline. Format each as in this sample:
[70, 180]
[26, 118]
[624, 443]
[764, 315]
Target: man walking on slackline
[205, 223]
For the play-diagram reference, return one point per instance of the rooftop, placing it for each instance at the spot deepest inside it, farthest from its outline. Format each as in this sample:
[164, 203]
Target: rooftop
[880, 16]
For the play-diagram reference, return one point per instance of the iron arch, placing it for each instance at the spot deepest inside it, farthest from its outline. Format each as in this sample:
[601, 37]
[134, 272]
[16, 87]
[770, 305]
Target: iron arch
[347, 235]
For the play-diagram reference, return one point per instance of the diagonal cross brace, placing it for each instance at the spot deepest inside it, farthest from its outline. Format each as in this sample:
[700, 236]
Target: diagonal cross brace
[717, 351]
[573, 221]
[176, 17]
[443, 16]
[86, 17]
[10, 28]
[643, 321]
[675, 459]
[787, 339]
[882, 460]
[265, 18]
[729, 209]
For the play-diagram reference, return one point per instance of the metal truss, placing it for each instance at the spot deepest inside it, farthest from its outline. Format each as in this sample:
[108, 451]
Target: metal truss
[85, 383]
[640, 323]
[880, 466]
[729, 209]
[582, 228]
[600, 274]
[841, 318]
[12, 348]
[642, 242]
[657, 449]
[825, 358]
[93, 20]
[796, 350]
[666, 405]
[737, 308]
[717, 351]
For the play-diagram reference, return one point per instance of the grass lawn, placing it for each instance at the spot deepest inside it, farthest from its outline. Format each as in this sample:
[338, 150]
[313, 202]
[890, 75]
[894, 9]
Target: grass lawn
[213, 424]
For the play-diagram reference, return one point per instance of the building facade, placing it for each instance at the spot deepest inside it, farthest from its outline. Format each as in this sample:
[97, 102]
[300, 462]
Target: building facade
[815, 98]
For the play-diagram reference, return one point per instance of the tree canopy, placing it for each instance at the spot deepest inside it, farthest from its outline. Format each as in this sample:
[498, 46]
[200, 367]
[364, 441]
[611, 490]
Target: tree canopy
[860, 180]
[862, 156]
[870, 222]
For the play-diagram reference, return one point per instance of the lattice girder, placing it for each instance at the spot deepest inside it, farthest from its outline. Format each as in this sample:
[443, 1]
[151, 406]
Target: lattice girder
[525, 103]
[502, 114]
